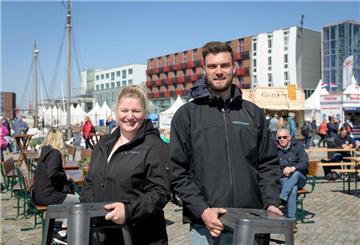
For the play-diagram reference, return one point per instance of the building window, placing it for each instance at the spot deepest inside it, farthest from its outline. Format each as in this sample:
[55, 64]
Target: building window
[254, 83]
[123, 73]
[286, 78]
[184, 57]
[175, 58]
[130, 81]
[102, 77]
[118, 73]
[97, 87]
[112, 75]
[118, 84]
[254, 46]
[124, 83]
[102, 86]
[107, 85]
[112, 85]
[130, 71]
[194, 55]
[270, 82]
[254, 63]
[107, 76]
[269, 61]
[97, 77]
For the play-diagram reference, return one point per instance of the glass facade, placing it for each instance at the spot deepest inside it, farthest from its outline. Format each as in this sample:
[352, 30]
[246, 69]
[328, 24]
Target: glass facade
[339, 42]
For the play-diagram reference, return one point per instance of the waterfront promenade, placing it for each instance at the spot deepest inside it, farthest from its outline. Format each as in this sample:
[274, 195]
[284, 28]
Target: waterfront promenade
[336, 217]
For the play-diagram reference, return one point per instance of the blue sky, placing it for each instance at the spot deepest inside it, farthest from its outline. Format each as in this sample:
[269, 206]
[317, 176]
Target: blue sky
[113, 33]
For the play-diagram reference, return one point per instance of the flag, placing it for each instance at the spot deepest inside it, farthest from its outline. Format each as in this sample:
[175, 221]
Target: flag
[324, 84]
[347, 71]
[333, 86]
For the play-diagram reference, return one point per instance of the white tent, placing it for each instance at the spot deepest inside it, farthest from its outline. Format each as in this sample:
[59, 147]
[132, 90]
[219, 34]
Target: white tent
[94, 114]
[353, 87]
[312, 104]
[166, 116]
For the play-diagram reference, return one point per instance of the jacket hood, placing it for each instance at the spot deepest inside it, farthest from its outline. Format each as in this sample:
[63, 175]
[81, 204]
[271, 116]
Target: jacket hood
[201, 90]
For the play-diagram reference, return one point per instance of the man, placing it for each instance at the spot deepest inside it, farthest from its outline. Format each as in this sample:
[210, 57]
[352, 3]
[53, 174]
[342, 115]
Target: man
[292, 124]
[221, 151]
[273, 125]
[342, 141]
[307, 132]
[293, 166]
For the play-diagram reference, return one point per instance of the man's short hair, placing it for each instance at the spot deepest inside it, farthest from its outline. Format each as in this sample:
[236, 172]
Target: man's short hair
[283, 130]
[215, 48]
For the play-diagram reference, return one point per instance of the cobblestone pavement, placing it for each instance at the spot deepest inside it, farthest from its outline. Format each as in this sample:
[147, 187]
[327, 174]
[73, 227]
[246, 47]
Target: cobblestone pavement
[336, 217]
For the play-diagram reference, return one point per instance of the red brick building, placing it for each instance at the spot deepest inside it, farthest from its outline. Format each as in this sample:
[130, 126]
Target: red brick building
[8, 104]
[174, 74]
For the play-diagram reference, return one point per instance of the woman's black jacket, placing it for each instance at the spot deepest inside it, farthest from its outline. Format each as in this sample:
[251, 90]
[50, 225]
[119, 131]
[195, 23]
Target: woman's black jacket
[135, 175]
[50, 179]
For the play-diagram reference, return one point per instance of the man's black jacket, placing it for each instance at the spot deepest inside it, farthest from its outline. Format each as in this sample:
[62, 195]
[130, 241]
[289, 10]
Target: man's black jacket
[221, 154]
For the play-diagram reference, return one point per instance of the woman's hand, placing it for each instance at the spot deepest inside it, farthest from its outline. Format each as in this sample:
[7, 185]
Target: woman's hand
[117, 212]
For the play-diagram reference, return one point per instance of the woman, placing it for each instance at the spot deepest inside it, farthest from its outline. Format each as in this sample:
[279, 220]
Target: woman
[3, 143]
[51, 184]
[88, 131]
[323, 132]
[128, 168]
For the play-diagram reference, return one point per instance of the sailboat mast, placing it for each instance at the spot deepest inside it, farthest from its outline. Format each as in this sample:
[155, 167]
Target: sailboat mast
[68, 64]
[35, 86]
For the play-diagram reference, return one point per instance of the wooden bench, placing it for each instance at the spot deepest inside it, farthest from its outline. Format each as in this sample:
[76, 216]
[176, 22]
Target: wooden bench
[309, 188]
[346, 175]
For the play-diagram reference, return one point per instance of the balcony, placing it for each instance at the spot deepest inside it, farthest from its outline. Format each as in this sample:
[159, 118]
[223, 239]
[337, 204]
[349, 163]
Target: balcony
[178, 67]
[158, 82]
[155, 70]
[148, 83]
[237, 56]
[169, 81]
[240, 71]
[166, 68]
[190, 64]
[180, 79]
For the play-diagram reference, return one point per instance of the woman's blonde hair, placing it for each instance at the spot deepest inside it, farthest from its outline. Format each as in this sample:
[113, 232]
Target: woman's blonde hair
[134, 91]
[55, 139]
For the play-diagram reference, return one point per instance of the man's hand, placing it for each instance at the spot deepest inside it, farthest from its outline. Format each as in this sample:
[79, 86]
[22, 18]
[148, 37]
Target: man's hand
[117, 213]
[288, 170]
[274, 210]
[210, 216]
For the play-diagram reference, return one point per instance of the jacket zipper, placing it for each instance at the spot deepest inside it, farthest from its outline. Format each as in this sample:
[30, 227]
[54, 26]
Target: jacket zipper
[228, 156]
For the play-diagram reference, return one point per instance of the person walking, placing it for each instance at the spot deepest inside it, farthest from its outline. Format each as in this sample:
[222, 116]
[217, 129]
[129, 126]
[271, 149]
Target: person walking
[221, 151]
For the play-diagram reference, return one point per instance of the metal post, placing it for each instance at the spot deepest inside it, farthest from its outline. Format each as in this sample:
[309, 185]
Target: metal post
[68, 77]
[35, 87]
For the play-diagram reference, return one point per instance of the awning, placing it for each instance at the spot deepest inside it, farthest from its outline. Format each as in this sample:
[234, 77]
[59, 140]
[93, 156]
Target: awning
[276, 98]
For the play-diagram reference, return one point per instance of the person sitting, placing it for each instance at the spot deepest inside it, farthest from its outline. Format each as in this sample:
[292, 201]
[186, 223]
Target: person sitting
[51, 184]
[294, 166]
[342, 141]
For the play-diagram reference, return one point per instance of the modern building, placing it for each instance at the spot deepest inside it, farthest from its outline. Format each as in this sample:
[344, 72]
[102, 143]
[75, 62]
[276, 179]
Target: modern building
[289, 56]
[104, 85]
[174, 74]
[8, 104]
[339, 42]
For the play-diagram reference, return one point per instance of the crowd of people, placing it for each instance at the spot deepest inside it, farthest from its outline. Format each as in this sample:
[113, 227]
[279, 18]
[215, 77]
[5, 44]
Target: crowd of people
[257, 163]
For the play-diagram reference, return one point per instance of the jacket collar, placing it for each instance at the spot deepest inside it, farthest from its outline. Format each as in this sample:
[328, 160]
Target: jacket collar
[201, 92]
[145, 129]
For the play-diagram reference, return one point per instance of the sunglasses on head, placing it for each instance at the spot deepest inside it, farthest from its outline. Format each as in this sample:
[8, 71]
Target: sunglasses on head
[282, 137]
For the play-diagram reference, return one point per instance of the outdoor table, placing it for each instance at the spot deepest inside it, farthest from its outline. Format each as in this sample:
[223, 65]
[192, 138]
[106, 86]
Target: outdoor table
[330, 150]
[22, 141]
[77, 175]
[69, 165]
